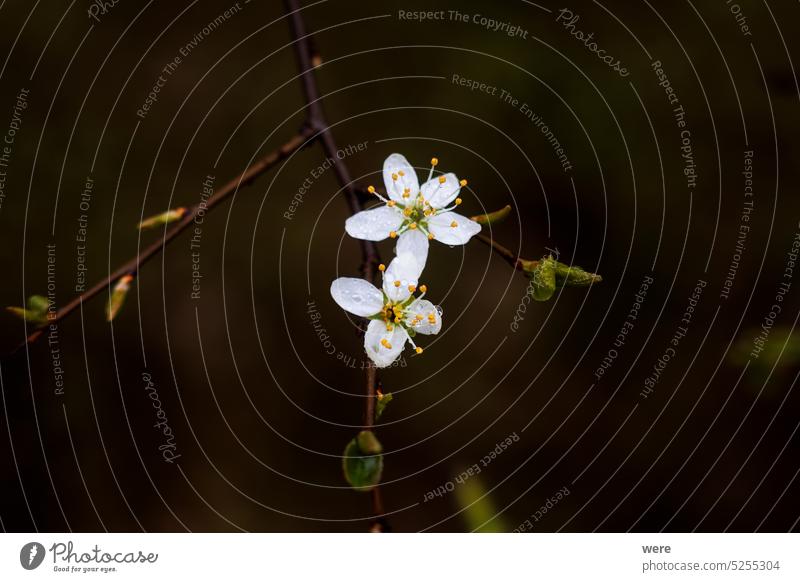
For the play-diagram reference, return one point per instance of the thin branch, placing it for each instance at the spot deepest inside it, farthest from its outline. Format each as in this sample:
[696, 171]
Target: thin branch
[308, 59]
[506, 254]
[302, 139]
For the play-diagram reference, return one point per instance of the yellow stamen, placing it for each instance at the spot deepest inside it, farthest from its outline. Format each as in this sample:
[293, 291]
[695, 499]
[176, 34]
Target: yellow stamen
[393, 234]
[389, 327]
[454, 224]
[430, 236]
[407, 211]
[406, 192]
[381, 267]
[412, 226]
[397, 283]
[394, 177]
[442, 179]
[402, 173]
[411, 288]
[391, 204]
[463, 183]
[434, 161]
[423, 288]
[458, 201]
[371, 189]
[418, 350]
[385, 343]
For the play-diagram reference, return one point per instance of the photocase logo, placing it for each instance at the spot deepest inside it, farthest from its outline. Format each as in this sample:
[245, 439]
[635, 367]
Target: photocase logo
[31, 555]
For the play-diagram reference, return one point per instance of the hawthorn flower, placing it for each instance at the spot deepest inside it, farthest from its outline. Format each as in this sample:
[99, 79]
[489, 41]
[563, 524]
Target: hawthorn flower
[414, 214]
[396, 315]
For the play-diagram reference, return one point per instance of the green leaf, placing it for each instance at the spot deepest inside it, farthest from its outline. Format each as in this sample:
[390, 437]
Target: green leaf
[543, 277]
[567, 276]
[118, 295]
[163, 218]
[492, 217]
[362, 468]
[383, 400]
[35, 310]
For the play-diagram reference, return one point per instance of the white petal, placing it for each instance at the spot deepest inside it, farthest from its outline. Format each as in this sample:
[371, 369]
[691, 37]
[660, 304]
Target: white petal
[441, 226]
[357, 296]
[402, 272]
[375, 224]
[439, 194]
[415, 243]
[379, 352]
[424, 309]
[394, 165]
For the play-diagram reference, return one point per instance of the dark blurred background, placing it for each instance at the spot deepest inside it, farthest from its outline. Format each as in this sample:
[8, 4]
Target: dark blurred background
[260, 409]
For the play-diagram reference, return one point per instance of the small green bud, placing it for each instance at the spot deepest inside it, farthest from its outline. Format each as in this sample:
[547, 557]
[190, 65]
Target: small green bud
[567, 276]
[543, 279]
[118, 295]
[492, 217]
[382, 401]
[35, 311]
[163, 218]
[362, 461]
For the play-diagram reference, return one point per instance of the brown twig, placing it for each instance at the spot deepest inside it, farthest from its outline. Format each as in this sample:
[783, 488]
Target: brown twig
[302, 139]
[510, 257]
[308, 59]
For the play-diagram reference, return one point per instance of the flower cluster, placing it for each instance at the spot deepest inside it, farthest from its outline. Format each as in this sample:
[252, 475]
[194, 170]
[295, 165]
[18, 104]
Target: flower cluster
[414, 215]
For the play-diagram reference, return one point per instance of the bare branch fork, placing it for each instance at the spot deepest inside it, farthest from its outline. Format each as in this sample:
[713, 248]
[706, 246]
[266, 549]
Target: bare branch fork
[314, 129]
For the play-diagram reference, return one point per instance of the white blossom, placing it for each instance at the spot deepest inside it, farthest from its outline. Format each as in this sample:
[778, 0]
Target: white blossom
[396, 315]
[414, 214]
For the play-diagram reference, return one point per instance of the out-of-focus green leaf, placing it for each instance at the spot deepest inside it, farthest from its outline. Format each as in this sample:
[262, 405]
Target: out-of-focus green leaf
[479, 512]
[118, 295]
[492, 217]
[362, 461]
[163, 218]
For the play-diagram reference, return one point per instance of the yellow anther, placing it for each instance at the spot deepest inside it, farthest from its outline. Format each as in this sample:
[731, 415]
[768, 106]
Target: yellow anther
[458, 201]
[427, 212]
[413, 323]
[418, 317]
[442, 179]
[454, 224]
[381, 267]
[371, 189]
[463, 183]
[392, 234]
[407, 211]
[423, 288]
[385, 343]
[412, 226]
[430, 236]
[389, 327]
[412, 288]
[434, 161]
[402, 173]
[406, 192]
[418, 350]
[397, 283]
[394, 177]
[391, 204]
